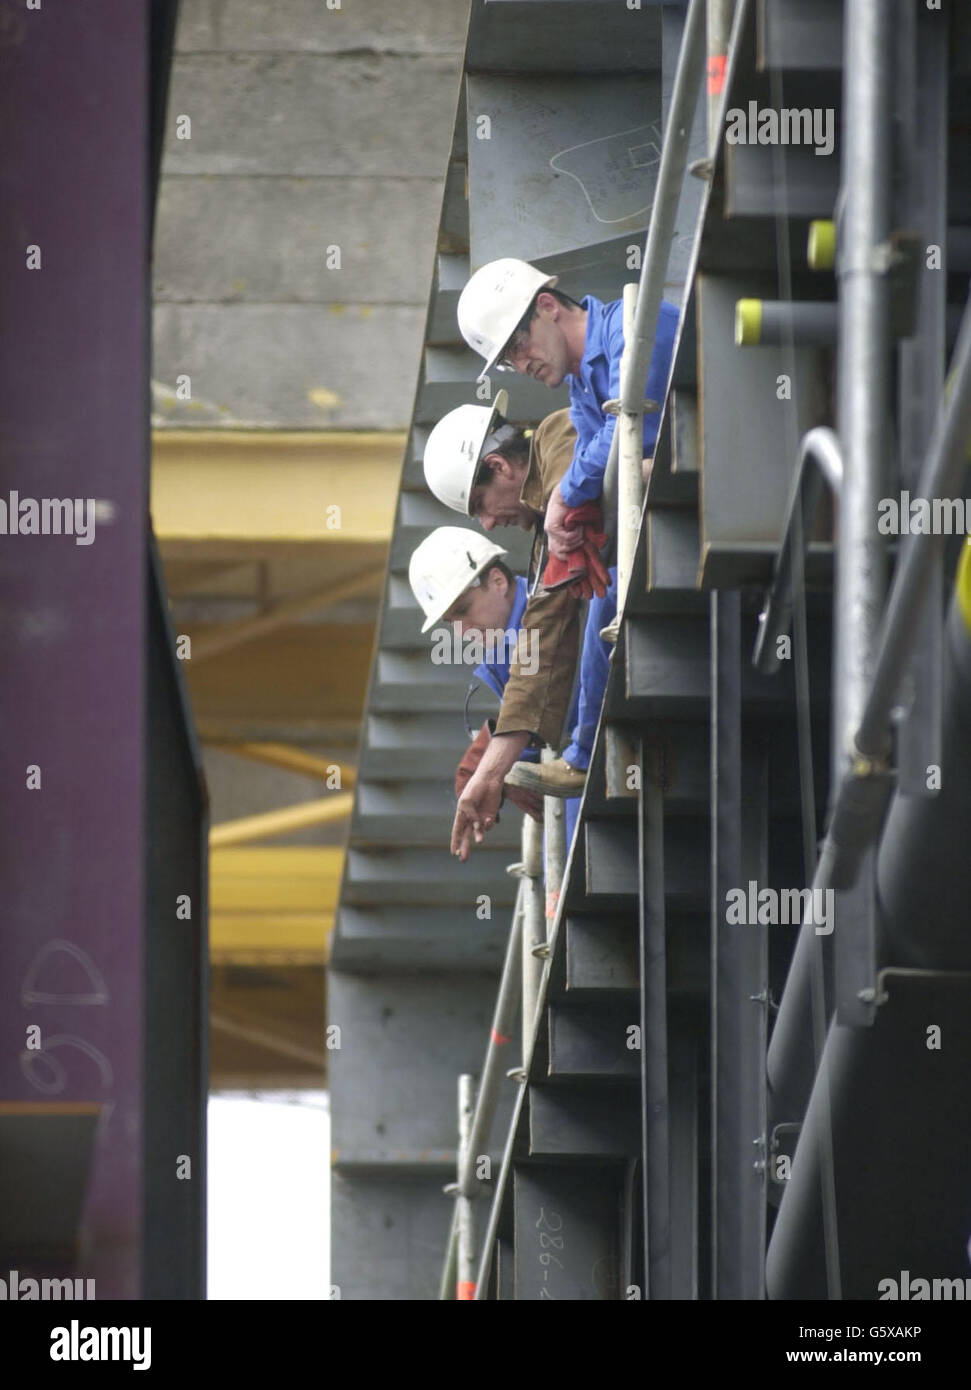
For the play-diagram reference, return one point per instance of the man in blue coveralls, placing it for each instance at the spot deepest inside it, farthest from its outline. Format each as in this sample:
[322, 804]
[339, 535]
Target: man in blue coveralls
[514, 317]
[474, 606]
[467, 592]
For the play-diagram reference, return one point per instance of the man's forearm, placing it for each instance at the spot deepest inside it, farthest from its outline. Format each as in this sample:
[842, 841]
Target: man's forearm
[502, 753]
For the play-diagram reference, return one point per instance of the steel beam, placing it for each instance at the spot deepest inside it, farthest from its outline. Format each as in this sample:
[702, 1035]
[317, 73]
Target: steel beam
[898, 1113]
[739, 975]
[924, 50]
[74, 383]
[288, 819]
[238, 485]
[293, 760]
[601, 956]
[176, 1042]
[923, 872]
[688, 1133]
[566, 1233]
[592, 1041]
[582, 1121]
[656, 1171]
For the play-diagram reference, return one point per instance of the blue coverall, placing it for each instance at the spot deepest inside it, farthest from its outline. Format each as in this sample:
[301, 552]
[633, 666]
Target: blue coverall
[598, 380]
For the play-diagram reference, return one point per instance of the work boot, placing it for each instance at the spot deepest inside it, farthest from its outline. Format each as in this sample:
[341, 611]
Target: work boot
[557, 778]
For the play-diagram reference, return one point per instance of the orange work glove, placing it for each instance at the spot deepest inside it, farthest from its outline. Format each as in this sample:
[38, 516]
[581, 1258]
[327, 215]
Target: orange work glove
[583, 571]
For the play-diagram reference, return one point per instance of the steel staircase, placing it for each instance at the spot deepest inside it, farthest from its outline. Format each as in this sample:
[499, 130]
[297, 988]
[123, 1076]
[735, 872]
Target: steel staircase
[648, 1151]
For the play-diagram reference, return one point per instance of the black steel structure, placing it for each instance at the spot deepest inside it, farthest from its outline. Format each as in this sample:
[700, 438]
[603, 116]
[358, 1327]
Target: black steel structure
[103, 832]
[716, 1102]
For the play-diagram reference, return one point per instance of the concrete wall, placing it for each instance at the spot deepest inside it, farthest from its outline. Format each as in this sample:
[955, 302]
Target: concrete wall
[310, 128]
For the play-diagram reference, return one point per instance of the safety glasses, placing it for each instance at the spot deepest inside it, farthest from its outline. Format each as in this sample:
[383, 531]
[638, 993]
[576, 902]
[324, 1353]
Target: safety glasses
[516, 343]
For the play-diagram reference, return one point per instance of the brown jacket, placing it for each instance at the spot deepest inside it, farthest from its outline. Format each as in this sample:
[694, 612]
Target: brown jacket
[539, 702]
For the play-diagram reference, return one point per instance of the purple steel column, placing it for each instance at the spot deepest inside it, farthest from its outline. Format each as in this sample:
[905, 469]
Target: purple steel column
[74, 364]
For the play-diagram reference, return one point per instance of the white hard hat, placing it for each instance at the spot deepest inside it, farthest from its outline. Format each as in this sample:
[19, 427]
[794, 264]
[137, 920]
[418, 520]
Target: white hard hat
[493, 302]
[454, 449]
[446, 564]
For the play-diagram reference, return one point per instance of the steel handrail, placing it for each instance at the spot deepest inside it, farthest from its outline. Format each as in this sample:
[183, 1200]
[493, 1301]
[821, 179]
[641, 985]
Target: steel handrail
[640, 319]
[819, 446]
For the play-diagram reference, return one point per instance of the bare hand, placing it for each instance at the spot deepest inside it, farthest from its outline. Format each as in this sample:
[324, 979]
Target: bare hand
[477, 809]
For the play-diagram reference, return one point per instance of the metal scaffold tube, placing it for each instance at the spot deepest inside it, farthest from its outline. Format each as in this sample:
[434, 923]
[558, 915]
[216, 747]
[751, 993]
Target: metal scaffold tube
[674, 152]
[521, 981]
[864, 357]
[534, 925]
[630, 478]
[624, 482]
[556, 850]
[464, 1202]
[720, 15]
[667, 194]
[493, 1072]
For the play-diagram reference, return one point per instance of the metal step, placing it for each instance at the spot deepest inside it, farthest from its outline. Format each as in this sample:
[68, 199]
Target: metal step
[451, 274]
[678, 758]
[668, 670]
[684, 432]
[412, 473]
[450, 380]
[806, 189]
[453, 234]
[410, 680]
[420, 512]
[576, 1122]
[400, 747]
[673, 552]
[425, 810]
[612, 876]
[566, 1233]
[401, 619]
[588, 1041]
[799, 35]
[601, 956]
[392, 937]
[414, 764]
[668, 666]
[599, 959]
[411, 876]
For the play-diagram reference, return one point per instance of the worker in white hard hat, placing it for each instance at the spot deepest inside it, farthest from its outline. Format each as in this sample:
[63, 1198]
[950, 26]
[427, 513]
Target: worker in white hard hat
[461, 581]
[451, 574]
[480, 465]
[513, 315]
